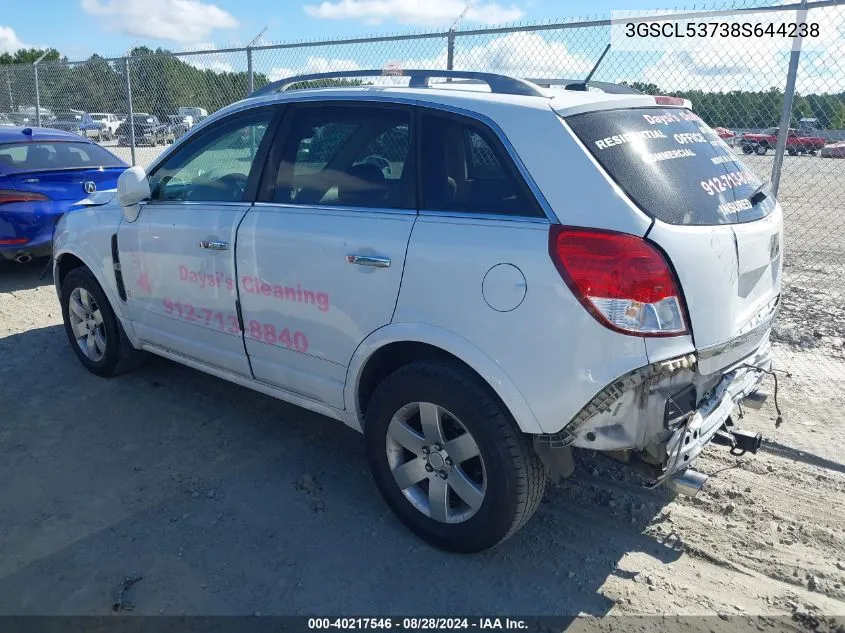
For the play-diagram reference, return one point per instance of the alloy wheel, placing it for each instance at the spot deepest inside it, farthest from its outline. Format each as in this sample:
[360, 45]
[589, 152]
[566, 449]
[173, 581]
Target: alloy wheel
[86, 321]
[436, 462]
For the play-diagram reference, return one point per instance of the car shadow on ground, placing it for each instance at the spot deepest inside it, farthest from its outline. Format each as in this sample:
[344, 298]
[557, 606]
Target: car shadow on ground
[802, 456]
[15, 276]
[219, 500]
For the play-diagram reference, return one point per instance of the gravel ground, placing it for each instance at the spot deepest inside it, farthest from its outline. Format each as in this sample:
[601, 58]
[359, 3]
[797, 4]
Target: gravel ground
[167, 491]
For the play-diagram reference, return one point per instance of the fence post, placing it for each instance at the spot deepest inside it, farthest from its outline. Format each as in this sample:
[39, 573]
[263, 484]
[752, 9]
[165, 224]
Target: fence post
[37, 97]
[250, 78]
[450, 50]
[129, 116]
[37, 89]
[788, 97]
[9, 87]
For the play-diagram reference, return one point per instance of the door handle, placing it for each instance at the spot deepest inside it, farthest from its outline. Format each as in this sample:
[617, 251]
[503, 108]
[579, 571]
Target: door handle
[214, 246]
[369, 260]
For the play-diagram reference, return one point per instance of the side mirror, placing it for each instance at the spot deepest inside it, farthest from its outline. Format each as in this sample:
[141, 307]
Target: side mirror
[132, 188]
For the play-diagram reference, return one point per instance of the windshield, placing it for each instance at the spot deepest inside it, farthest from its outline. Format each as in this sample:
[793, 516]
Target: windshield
[672, 165]
[49, 156]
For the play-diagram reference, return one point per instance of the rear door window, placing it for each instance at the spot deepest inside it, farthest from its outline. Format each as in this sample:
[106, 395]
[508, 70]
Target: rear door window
[672, 165]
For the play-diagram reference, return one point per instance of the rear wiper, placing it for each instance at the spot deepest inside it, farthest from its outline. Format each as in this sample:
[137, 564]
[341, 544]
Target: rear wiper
[761, 193]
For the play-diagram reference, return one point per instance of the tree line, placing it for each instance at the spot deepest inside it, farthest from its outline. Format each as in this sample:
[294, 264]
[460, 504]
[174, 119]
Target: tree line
[161, 84]
[762, 109]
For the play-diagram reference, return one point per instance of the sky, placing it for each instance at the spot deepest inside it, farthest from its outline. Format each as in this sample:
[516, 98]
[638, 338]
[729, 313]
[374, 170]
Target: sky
[78, 28]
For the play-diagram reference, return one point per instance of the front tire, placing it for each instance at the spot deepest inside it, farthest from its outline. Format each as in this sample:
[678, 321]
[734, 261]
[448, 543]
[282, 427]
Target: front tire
[448, 460]
[93, 330]
[761, 150]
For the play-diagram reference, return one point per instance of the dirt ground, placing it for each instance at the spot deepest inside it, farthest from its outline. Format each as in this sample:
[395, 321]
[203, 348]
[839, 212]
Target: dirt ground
[167, 491]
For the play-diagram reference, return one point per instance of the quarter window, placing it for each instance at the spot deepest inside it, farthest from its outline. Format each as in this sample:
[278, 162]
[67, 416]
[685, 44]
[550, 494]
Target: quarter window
[347, 156]
[215, 166]
[466, 169]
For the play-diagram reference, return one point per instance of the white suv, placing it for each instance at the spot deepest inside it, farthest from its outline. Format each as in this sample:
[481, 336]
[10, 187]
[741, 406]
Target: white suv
[477, 281]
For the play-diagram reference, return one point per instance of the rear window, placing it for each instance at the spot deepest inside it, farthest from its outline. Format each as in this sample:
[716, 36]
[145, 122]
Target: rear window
[672, 165]
[21, 157]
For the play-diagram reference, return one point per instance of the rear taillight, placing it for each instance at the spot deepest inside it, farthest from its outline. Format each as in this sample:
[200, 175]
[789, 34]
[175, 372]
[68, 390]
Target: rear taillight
[622, 280]
[7, 196]
[12, 241]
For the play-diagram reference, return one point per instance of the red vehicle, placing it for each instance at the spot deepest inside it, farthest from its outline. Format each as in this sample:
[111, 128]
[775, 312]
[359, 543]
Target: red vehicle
[796, 143]
[724, 133]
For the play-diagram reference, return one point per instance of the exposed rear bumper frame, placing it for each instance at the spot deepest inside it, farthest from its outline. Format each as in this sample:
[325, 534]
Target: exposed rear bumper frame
[713, 411]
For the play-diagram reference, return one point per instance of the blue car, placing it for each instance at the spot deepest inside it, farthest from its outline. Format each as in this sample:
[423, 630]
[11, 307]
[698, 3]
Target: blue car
[42, 173]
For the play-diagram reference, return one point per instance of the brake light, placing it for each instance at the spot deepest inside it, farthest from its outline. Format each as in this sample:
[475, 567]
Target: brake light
[670, 101]
[7, 196]
[621, 279]
[13, 241]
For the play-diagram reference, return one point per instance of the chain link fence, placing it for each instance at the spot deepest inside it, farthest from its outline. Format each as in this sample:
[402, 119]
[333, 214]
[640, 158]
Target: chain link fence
[753, 88]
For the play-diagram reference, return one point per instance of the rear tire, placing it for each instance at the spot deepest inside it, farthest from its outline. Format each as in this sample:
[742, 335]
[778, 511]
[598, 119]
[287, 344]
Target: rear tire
[484, 473]
[746, 149]
[93, 329]
[761, 150]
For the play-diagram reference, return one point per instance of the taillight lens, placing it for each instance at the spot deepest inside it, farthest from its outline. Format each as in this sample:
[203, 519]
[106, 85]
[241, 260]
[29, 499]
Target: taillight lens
[7, 196]
[622, 280]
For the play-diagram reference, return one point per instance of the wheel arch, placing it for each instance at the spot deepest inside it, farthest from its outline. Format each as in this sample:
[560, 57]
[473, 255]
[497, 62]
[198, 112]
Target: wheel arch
[65, 263]
[394, 346]
[68, 260]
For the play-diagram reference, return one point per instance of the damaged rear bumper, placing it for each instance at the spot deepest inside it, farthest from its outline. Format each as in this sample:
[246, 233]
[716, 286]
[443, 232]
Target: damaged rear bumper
[660, 417]
[687, 441]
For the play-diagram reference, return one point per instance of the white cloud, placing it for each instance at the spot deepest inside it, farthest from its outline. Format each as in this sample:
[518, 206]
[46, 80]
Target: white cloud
[721, 65]
[313, 65]
[9, 41]
[518, 54]
[184, 21]
[524, 54]
[712, 69]
[427, 12]
[217, 62]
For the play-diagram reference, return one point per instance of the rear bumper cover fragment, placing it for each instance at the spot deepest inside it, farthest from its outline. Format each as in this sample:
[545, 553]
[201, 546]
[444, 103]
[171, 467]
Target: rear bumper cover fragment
[633, 412]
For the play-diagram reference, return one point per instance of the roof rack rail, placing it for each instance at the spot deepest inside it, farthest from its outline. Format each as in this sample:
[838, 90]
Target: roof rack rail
[499, 84]
[581, 85]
